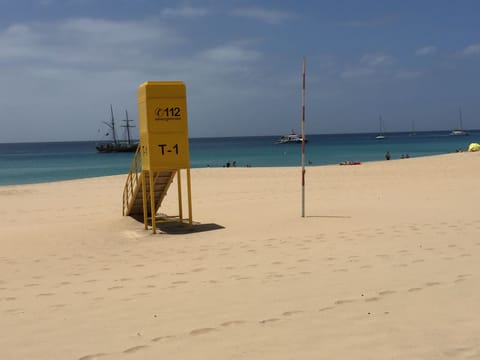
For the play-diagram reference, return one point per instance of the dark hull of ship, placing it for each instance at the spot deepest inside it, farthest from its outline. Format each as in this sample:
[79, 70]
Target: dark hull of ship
[115, 148]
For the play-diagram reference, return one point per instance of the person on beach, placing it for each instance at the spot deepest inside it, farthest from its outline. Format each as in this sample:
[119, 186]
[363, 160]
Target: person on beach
[387, 155]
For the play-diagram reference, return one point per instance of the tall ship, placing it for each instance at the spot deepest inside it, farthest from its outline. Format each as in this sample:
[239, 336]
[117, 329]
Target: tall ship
[114, 144]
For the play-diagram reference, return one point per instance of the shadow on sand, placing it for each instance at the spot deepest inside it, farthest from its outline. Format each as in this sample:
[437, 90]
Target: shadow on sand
[171, 225]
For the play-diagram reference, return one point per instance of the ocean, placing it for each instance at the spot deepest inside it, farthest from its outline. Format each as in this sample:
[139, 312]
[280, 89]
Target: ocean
[28, 163]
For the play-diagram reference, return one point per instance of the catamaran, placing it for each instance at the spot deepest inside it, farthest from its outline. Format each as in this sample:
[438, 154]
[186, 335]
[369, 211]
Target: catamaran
[292, 138]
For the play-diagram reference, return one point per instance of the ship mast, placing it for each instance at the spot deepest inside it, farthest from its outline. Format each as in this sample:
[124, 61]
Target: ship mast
[460, 118]
[127, 126]
[111, 125]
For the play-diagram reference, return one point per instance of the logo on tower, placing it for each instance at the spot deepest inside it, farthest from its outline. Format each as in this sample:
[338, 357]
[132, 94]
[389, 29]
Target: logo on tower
[168, 113]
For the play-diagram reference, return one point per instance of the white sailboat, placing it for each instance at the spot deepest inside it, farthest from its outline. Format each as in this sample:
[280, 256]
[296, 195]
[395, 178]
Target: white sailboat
[459, 131]
[413, 132]
[381, 135]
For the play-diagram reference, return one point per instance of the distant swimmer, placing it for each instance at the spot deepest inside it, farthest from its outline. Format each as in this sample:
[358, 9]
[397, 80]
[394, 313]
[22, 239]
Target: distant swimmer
[387, 155]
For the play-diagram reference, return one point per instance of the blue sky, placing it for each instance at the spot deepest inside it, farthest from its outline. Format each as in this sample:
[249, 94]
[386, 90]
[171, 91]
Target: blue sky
[63, 62]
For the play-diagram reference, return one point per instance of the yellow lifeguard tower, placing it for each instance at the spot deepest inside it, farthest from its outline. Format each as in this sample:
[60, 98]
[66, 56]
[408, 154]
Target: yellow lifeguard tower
[163, 151]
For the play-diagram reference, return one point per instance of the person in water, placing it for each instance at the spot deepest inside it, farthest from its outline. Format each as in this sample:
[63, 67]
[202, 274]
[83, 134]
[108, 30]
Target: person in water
[387, 155]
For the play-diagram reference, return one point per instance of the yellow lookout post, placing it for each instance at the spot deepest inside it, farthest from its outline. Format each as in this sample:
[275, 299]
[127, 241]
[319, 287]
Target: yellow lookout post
[164, 148]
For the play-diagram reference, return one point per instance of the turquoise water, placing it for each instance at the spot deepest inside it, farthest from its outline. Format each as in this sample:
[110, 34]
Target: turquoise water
[25, 163]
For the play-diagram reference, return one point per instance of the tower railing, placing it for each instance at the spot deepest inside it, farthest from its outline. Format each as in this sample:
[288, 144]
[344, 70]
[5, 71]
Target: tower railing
[133, 181]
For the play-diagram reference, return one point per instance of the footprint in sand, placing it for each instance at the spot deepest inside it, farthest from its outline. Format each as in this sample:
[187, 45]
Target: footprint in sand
[58, 306]
[414, 289]
[150, 276]
[293, 312]
[326, 308]
[386, 292]
[202, 331]
[464, 352]
[232, 323]
[82, 292]
[30, 285]
[266, 321]
[161, 338]
[243, 278]
[92, 356]
[344, 301]
[134, 349]
[115, 288]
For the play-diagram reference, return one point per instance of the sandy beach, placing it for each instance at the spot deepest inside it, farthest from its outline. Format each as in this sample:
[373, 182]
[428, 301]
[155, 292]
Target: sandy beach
[383, 266]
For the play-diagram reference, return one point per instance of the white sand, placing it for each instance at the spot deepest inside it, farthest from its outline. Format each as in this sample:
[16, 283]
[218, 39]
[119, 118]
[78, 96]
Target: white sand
[384, 266]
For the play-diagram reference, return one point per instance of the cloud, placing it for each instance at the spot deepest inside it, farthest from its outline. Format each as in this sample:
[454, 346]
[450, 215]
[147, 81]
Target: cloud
[368, 65]
[230, 53]
[368, 23]
[71, 70]
[355, 72]
[268, 16]
[374, 60]
[46, 2]
[185, 11]
[406, 74]
[83, 43]
[471, 50]
[426, 50]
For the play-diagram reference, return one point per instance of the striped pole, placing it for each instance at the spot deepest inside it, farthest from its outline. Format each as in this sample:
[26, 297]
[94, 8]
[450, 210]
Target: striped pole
[303, 137]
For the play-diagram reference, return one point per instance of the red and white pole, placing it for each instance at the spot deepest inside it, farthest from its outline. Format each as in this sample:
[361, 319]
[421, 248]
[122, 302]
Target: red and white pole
[303, 136]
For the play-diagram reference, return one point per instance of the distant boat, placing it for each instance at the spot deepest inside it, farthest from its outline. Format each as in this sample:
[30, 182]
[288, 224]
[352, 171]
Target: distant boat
[115, 145]
[459, 131]
[381, 135]
[413, 132]
[292, 138]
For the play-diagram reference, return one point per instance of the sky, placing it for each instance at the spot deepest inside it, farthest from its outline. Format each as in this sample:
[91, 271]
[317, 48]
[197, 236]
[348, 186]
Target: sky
[415, 63]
